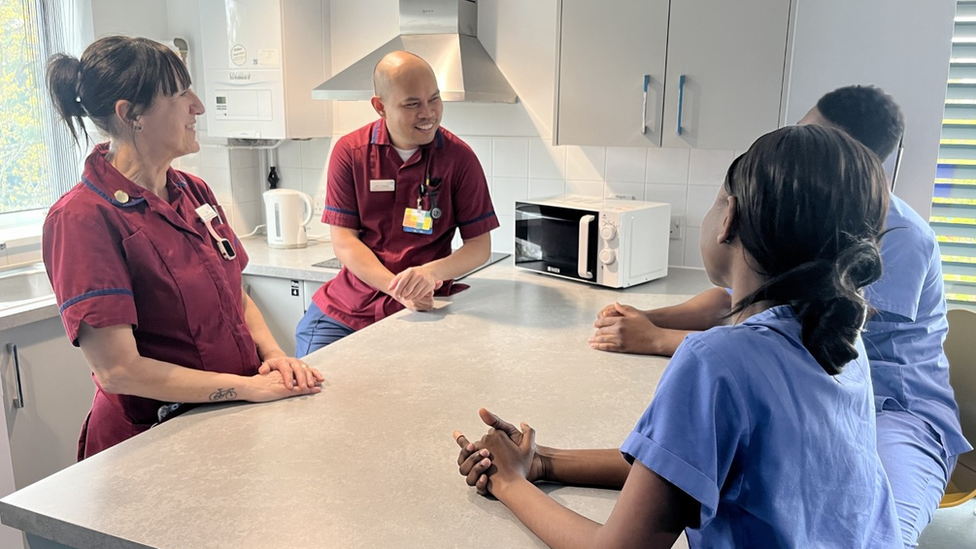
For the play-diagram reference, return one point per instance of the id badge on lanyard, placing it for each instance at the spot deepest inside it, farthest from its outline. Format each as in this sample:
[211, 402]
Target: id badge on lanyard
[418, 220]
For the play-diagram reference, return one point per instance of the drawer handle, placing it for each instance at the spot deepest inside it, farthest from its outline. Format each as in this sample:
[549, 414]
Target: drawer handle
[18, 399]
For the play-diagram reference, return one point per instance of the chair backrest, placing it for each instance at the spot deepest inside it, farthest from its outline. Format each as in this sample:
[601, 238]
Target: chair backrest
[960, 349]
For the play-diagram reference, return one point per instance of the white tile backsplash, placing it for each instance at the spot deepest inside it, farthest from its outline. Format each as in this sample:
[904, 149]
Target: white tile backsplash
[247, 184]
[626, 164]
[482, 149]
[289, 154]
[546, 187]
[505, 191]
[676, 195]
[213, 156]
[517, 168]
[700, 200]
[503, 238]
[667, 166]
[244, 158]
[585, 188]
[219, 181]
[623, 191]
[510, 157]
[586, 163]
[708, 167]
[692, 256]
[315, 153]
[676, 252]
[313, 183]
[546, 161]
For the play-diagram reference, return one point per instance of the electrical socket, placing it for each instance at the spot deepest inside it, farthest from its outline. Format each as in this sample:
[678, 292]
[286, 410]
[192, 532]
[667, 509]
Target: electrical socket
[677, 227]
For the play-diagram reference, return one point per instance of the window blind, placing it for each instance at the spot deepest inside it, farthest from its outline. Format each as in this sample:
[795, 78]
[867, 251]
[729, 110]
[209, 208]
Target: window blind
[954, 198]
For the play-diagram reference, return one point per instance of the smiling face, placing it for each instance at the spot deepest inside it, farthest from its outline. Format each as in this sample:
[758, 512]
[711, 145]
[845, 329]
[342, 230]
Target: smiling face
[169, 126]
[408, 98]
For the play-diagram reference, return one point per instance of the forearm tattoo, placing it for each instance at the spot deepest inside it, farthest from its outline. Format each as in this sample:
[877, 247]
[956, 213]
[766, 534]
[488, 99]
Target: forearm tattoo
[224, 394]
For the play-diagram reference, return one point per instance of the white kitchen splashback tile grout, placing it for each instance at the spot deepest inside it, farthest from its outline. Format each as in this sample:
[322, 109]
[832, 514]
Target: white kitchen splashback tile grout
[708, 167]
[482, 149]
[667, 166]
[623, 190]
[510, 157]
[546, 161]
[626, 164]
[586, 163]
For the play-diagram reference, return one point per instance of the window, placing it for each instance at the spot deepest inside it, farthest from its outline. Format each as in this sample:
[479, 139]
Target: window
[954, 199]
[38, 161]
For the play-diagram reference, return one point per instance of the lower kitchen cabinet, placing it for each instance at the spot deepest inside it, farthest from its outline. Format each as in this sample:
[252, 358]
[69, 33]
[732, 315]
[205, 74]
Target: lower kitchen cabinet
[47, 392]
[281, 302]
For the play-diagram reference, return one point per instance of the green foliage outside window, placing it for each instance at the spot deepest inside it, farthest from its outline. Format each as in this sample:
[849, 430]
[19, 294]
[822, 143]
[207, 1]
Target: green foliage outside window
[25, 167]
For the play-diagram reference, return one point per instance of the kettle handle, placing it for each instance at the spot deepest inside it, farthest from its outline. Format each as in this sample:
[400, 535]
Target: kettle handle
[309, 206]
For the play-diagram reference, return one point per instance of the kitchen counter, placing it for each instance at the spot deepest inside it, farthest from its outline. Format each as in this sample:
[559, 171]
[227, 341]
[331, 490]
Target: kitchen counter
[296, 263]
[370, 461]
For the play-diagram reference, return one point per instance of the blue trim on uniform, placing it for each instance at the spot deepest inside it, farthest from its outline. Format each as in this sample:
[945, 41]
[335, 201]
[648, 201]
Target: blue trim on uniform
[134, 201]
[340, 210]
[96, 293]
[180, 183]
[477, 219]
[376, 133]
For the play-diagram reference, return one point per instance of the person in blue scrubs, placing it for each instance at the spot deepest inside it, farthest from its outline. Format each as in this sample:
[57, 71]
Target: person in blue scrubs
[919, 435]
[760, 433]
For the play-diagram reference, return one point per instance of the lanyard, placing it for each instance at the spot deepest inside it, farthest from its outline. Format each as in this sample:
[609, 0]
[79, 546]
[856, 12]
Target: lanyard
[429, 185]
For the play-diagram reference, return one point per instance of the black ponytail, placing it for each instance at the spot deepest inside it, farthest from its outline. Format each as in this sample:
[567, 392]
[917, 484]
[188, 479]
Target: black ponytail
[810, 212]
[63, 81]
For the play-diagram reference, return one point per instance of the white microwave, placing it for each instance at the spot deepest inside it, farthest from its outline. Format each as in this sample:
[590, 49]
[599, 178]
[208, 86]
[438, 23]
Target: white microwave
[614, 243]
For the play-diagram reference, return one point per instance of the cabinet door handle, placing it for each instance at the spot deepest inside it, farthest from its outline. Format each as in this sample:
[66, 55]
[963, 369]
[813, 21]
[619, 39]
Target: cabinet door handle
[18, 400]
[647, 81]
[681, 99]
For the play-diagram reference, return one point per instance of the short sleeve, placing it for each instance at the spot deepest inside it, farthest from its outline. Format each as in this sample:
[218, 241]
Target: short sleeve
[473, 209]
[86, 265]
[341, 205]
[905, 258]
[694, 426]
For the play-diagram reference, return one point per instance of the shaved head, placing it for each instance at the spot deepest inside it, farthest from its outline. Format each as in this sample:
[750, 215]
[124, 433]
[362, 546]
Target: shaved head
[407, 97]
[394, 66]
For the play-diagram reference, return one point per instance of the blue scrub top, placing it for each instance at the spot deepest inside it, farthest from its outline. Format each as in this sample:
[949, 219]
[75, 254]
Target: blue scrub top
[777, 452]
[904, 341]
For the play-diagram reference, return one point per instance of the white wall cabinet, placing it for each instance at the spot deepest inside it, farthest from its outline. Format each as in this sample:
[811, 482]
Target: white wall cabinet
[714, 69]
[45, 410]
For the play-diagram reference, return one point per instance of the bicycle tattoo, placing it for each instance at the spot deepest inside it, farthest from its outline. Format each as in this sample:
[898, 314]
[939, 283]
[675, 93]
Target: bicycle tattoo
[224, 394]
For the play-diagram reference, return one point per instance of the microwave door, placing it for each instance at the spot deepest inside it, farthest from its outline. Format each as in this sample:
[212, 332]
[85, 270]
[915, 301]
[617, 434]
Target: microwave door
[555, 240]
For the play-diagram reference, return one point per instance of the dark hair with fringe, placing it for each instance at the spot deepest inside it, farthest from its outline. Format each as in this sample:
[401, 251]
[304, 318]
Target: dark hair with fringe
[810, 210]
[112, 69]
[868, 114]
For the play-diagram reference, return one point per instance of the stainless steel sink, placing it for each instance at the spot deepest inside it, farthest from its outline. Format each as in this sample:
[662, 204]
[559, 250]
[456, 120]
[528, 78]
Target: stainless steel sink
[23, 285]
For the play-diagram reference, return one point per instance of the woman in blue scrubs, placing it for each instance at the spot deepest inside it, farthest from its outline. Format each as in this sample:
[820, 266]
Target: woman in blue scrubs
[761, 433]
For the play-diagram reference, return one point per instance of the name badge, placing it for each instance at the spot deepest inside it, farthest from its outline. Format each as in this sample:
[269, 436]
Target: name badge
[382, 185]
[418, 221]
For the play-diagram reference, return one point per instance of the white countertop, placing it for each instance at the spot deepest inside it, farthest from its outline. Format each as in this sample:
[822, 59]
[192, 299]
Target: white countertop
[370, 461]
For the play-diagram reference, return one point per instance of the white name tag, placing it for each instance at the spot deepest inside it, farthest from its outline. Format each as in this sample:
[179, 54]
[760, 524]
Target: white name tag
[382, 185]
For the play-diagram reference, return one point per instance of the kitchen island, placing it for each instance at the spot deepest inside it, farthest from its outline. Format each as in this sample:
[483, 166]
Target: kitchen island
[370, 461]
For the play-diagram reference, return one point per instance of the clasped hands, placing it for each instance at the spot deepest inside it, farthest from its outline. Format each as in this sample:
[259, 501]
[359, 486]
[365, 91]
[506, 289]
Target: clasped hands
[503, 456]
[285, 376]
[414, 288]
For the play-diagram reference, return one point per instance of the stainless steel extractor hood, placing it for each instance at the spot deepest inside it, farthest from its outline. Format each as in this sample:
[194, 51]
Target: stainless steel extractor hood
[444, 33]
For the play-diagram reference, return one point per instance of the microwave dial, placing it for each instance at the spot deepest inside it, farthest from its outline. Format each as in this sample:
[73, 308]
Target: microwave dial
[607, 256]
[608, 231]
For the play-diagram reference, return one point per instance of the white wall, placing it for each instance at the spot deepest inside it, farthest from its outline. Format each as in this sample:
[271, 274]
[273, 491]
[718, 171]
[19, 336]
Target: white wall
[147, 18]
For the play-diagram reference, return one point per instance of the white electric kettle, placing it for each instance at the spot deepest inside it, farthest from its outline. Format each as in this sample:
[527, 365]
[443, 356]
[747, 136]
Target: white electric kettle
[287, 212]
